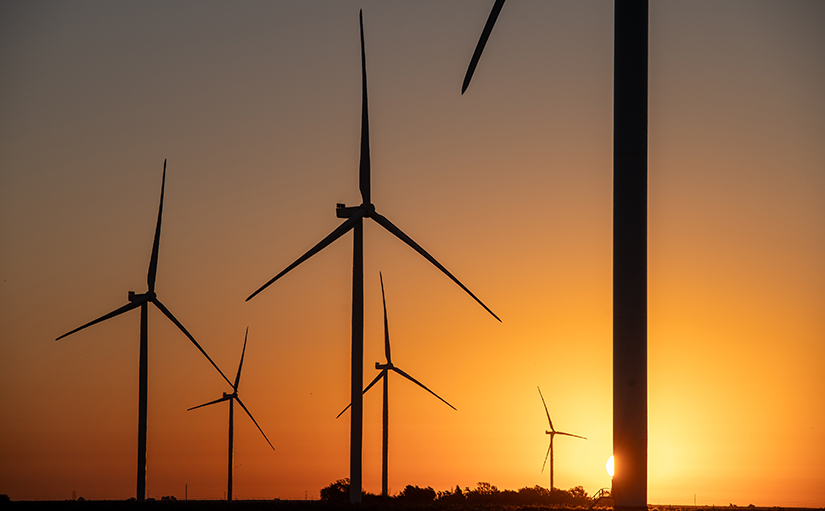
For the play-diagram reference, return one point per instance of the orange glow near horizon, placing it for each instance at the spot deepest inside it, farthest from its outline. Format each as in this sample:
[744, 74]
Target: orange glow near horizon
[257, 108]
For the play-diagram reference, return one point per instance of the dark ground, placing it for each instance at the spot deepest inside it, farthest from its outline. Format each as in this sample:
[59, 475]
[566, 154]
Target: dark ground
[316, 505]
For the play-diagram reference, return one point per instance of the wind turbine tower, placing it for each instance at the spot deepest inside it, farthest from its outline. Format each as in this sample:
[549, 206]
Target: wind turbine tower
[552, 432]
[384, 374]
[355, 216]
[143, 301]
[232, 398]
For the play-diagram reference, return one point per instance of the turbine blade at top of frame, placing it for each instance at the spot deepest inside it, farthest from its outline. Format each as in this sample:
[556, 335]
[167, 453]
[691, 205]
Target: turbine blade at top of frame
[545, 410]
[334, 235]
[238, 376]
[386, 224]
[383, 373]
[116, 312]
[407, 376]
[549, 447]
[570, 434]
[386, 324]
[256, 422]
[364, 166]
[482, 41]
[177, 323]
[153, 262]
[221, 400]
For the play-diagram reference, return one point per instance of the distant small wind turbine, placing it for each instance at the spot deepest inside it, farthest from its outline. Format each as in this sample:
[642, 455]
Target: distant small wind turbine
[552, 434]
[354, 221]
[385, 370]
[232, 398]
[143, 301]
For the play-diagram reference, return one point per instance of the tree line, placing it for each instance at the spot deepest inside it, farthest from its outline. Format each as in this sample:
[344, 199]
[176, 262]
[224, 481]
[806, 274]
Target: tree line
[483, 493]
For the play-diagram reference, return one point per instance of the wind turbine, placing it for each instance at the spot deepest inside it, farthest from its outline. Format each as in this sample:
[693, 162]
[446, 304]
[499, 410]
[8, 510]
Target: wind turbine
[143, 301]
[232, 398]
[552, 432]
[355, 216]
[630, 62]
[384, 374]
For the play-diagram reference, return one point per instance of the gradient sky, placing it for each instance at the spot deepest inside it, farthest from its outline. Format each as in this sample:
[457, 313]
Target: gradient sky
[256, 105]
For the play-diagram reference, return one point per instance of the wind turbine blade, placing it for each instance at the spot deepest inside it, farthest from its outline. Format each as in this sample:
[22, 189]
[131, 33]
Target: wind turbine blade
[334, 235]
[364, 166]
[221, 400]
[116, 312]
[344, 410]
[374, 381]
[384, 222]
[545, 410]
[386, 324]
[256, 422]
[482, 41]
[153, 262]
[546, 456]
[382, 373]
[238, 376]
[177, 323]
[570, 434]
[407, 376]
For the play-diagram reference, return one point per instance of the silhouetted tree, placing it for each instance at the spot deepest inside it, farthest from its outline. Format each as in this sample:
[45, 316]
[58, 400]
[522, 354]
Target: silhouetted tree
[337, 491]
[483, 493]
[536, 494]
[486, 494]
[575, 496]
[454, 496]
[412, 493]
[577, 492]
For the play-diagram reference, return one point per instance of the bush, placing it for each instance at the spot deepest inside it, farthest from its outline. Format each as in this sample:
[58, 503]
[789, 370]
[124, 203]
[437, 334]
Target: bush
[412, 493]
[337, 491]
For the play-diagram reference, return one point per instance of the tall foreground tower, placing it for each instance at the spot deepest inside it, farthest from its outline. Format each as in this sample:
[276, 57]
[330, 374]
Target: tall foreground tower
[630, 59]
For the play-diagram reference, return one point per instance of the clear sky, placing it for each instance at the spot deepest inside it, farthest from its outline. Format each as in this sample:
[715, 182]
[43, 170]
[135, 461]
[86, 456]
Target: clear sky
[256, 105]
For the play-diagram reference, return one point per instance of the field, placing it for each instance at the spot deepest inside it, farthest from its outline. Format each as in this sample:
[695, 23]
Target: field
[318, 505]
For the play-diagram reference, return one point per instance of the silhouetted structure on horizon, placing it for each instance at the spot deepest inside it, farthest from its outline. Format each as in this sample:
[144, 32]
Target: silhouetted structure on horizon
[385, 369]
[143, 301]
[629, 244]
[232, 398]
[355, 221]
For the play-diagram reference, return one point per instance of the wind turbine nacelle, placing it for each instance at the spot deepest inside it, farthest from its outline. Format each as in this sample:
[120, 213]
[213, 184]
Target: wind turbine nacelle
[379, 365]
[135, 297]
[342, 211]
